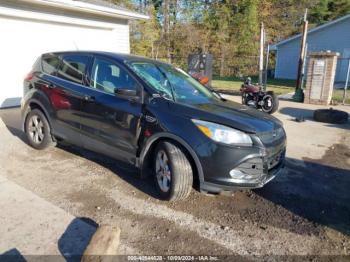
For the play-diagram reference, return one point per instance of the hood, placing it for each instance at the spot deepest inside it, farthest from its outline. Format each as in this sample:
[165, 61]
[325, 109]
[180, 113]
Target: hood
[230, 114]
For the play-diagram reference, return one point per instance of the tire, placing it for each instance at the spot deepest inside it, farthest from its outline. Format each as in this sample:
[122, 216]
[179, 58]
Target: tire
[178, 172]
[38, 135]
[275, 103]
[331, 116]
[243, 99]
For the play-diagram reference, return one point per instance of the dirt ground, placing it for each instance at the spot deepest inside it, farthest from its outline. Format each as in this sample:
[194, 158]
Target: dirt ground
[303, 212]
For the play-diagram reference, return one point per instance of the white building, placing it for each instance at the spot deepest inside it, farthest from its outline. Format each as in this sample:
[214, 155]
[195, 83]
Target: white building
[29, 28]
[333, 36]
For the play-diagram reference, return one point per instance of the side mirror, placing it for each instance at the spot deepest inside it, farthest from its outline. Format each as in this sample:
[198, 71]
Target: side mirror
[125, 92]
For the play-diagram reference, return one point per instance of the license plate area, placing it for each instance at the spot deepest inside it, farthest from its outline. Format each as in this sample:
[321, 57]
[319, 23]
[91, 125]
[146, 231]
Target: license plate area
[274, 160]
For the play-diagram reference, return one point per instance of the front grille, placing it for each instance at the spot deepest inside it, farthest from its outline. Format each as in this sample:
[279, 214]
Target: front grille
[271, 136]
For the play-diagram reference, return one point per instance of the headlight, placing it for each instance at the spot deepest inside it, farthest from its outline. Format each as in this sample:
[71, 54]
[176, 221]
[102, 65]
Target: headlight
[223, 134]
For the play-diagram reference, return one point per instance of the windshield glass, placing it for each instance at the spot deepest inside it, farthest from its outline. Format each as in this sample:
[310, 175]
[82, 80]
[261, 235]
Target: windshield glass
[172, 82]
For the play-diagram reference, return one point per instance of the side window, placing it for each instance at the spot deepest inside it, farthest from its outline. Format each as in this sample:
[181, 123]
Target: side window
[49, 64]
[73, 68]
[107, 76]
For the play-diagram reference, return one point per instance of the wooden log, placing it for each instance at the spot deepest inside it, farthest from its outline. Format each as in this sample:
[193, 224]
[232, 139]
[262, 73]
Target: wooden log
[103, 245]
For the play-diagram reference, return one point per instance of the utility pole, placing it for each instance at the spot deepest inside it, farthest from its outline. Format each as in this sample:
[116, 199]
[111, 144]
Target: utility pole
[261, 55]
[266, 65]
[299, 95]
[346, 82]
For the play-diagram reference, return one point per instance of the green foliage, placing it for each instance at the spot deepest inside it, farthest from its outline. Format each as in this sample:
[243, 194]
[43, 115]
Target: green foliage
[145, 35]
[338, 8]
[228, 29]
[320, 13]
[327, 10]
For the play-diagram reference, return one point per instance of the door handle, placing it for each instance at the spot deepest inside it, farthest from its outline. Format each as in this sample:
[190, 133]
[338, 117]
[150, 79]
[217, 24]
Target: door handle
[51, 86]
[88, 98]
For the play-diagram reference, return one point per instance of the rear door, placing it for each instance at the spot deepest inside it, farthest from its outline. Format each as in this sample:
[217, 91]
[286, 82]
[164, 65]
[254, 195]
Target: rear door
[111, 123]
[66, 92]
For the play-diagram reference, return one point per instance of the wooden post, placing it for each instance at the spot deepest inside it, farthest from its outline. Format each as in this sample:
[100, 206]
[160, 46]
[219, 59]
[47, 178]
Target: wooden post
[266, 66]
[103, 245]
[302, 53]
[261, 55]
[346, 82]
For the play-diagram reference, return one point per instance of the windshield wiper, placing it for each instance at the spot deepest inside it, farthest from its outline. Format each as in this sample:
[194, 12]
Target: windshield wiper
[216, 93]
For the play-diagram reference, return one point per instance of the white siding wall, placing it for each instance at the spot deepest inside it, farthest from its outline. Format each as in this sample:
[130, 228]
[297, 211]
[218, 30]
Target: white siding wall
[335, 37]
[23, 40]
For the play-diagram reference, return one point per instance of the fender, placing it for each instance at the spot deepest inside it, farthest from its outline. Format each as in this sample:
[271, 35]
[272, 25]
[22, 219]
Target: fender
[163, 135]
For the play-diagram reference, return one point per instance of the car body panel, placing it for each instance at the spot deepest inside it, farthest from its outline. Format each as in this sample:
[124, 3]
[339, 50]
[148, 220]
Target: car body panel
[113, 122]
[127, 129]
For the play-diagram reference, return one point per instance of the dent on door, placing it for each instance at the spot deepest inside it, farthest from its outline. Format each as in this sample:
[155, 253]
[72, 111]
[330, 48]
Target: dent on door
[112, 126]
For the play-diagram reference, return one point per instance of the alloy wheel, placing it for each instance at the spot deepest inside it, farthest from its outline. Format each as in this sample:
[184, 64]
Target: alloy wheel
[163, 172]
[36, 129]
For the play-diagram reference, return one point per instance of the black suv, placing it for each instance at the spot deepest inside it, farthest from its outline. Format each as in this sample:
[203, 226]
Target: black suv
[152, 115]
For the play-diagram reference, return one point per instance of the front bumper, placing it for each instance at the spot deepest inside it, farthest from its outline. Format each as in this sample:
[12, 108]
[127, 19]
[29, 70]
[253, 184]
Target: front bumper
[243, 168]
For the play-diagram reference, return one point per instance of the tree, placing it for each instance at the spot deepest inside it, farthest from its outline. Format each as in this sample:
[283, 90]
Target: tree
[327, 10]
[338, 8]
[145, 35]
[228, 29]
[320, 13]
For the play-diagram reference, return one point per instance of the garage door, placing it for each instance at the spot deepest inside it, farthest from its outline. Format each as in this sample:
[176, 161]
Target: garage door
[22, 41]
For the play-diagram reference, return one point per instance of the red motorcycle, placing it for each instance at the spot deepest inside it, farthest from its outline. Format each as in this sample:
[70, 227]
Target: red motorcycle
[255, 96]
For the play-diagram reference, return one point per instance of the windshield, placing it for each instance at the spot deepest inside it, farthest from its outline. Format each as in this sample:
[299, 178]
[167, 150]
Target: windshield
[172, 82]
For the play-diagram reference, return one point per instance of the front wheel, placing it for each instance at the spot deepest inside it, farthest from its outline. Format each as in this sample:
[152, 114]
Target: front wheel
[270, 103]
[173, 172]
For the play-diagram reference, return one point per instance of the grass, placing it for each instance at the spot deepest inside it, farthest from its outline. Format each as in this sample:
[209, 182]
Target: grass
[338, 96]
[279, 86]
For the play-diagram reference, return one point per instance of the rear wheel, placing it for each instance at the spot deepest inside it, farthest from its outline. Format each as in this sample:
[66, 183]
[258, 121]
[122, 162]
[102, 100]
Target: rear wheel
[38, 130]
[173, 172]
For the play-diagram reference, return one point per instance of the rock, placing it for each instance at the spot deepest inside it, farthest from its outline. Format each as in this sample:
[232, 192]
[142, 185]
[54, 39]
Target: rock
[225, 228]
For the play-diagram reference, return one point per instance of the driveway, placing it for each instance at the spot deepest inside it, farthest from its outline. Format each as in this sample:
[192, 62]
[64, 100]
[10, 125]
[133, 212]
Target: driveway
[304, 211]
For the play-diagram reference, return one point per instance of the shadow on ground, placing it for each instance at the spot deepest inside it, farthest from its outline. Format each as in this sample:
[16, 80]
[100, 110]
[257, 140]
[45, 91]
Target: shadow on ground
[125, 171]
[307, 114]
[71, 244]
[76, 237]
[12, 255]
[12, 119]
[316, 190]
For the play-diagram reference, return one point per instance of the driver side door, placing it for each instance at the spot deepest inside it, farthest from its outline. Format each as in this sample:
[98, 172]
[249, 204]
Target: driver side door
[110, 122]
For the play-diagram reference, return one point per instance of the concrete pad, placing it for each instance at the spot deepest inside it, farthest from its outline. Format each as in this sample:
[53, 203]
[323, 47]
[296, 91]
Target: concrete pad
[2, 179]
[29, 225]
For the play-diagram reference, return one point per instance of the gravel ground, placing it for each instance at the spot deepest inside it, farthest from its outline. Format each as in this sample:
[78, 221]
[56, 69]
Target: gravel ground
[303, 212]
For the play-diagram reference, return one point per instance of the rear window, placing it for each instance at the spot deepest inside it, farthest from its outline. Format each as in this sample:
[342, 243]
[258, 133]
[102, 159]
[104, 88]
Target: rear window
[49, 64]
[73, 68]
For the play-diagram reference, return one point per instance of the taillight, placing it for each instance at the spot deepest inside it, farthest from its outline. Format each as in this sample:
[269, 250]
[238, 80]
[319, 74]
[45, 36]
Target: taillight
[29, 76]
